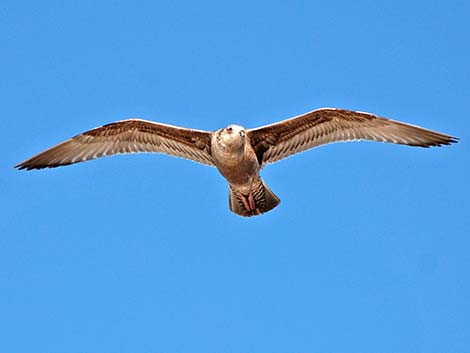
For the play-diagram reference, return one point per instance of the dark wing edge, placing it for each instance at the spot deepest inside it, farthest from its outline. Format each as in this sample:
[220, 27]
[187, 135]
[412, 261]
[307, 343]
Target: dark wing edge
[327, 125]
[126, 136]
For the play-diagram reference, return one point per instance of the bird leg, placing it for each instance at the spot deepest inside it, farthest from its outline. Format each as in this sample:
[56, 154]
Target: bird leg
[251, 201]
[246, 202]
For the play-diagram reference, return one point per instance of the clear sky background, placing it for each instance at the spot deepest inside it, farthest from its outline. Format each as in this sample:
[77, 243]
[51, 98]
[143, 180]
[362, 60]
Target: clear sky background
[369, 250]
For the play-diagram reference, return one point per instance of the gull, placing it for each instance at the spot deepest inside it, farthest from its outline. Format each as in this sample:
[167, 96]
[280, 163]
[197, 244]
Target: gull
[238, 153]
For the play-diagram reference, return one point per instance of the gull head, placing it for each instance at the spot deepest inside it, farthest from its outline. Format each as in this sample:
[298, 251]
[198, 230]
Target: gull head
[232, 137]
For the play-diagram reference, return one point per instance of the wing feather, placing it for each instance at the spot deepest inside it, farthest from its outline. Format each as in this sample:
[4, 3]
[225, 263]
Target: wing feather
[280, 140]
[127, 136]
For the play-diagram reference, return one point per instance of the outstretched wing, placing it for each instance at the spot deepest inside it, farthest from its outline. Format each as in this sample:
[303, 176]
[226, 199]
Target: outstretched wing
[279, 140]
[127, 136]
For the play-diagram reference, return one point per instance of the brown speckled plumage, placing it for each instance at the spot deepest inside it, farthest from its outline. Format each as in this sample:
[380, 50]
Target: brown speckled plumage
[238, 153]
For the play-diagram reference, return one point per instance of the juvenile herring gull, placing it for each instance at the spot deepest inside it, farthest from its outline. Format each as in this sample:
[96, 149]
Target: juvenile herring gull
[237, 153]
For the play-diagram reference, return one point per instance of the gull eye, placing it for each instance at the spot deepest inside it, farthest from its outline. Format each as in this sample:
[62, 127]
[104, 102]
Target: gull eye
[229, 129]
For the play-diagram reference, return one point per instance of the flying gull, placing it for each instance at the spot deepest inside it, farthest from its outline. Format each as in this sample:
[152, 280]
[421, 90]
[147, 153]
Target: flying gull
[237, 153]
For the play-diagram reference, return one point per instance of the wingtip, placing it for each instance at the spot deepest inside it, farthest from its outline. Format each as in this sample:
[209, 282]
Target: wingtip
[36, 167]
[31, 166]
[443, 140]
[22, 166]
[448, 141]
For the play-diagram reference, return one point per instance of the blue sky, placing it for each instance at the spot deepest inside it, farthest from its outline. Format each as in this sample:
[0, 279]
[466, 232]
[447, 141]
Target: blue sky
[369, 249]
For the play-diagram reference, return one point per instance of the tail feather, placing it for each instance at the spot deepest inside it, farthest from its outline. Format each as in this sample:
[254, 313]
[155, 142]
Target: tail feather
[260, 200]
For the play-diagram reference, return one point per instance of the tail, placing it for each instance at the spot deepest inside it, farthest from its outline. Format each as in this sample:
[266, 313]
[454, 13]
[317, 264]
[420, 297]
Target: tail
[260, 200]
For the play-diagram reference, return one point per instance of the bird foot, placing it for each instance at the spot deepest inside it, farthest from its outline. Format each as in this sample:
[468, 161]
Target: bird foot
[248, 202]
[251, 201]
